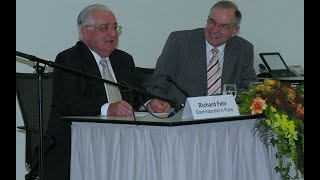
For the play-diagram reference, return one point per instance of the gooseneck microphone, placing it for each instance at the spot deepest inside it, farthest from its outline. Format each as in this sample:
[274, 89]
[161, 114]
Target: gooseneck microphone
[263, 67]
[180, 106]
[176, 109]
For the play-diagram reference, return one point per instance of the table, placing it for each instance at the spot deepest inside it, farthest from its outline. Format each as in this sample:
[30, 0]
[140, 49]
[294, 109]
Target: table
[290, 80]
[209, 150]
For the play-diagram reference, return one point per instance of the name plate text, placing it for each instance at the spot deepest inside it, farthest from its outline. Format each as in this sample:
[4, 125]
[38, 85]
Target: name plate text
[204, 107]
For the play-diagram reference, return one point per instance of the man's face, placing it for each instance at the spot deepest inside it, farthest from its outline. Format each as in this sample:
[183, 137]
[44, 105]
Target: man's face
[220, 26]
[103, 36]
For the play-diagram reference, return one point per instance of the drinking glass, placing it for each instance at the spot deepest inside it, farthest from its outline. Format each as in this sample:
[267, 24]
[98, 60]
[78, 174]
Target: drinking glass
[229, 89]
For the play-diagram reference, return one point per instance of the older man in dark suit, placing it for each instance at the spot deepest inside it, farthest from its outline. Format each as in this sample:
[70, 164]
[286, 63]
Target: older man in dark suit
[94, 54]
[188, 55]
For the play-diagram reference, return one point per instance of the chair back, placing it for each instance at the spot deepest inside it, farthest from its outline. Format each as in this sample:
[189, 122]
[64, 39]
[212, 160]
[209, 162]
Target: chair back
[27, 87]
[143, 75]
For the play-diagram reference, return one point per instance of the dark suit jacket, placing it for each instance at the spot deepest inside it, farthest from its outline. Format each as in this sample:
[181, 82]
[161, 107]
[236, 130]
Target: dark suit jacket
[184, 59]
[76, 95]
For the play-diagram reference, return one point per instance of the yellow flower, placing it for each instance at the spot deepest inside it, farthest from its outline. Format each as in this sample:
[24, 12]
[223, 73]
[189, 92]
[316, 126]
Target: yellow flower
[264, 88]
[271, 82]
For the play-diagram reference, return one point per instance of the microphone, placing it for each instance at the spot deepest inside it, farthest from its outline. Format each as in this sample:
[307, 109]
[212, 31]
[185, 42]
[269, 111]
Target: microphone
[263, 67]
[176, 110]
[179, 107]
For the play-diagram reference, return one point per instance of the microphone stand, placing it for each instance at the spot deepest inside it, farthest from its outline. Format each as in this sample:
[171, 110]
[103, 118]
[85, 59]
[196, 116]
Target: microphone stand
[39, 70]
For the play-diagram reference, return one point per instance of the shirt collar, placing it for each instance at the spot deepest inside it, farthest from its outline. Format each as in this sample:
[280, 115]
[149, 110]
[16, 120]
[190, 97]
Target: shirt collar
[209, 47]
[97, 57]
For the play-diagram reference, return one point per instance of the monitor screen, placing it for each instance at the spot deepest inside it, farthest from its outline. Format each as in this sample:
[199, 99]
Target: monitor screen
[273, 61]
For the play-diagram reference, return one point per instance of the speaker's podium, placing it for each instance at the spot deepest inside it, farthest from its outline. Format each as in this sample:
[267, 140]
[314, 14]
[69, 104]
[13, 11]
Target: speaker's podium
[150, 148]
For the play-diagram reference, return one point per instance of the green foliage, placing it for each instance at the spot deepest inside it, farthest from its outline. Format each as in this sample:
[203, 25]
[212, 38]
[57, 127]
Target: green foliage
[282, 123]
[245, 100]
[263, 131]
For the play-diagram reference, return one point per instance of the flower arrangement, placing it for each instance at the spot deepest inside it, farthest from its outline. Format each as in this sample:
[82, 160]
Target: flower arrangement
[281, 123]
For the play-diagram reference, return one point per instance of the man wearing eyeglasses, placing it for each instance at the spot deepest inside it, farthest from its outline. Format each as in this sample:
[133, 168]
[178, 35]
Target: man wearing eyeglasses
[200, 61]
[73, 95]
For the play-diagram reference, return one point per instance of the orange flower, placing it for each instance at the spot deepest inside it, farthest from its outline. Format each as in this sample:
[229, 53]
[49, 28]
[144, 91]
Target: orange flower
[291, 92]
[258, 105]
[300, 111]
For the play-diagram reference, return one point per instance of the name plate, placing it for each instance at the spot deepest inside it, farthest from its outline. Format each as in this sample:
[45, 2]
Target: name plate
[210, 107]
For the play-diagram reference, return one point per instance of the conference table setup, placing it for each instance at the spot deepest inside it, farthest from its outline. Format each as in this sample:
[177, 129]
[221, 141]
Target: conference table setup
[290, 80]
[175, 148]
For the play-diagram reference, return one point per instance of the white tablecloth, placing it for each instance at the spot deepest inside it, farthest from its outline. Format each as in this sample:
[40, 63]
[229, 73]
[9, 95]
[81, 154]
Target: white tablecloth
[211, 151]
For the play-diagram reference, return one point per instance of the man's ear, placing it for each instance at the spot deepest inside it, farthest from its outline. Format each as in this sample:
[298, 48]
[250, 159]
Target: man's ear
[85, 32]
[236, 30]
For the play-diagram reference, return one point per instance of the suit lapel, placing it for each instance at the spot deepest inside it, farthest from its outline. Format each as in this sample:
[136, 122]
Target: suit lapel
[116, 65]
[231, 54]
[199, 57]
[90, 66]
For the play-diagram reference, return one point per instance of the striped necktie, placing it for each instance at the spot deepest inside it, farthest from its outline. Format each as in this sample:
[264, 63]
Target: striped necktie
[112, 91]
[214, 74]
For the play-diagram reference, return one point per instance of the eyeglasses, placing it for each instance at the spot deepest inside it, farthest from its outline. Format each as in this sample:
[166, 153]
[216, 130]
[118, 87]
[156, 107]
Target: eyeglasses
[106, 27]
[221, 26]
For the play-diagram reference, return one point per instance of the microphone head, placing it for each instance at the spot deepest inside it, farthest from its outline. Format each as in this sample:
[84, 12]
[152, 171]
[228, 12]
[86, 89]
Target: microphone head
[176, 110]
[262, 66]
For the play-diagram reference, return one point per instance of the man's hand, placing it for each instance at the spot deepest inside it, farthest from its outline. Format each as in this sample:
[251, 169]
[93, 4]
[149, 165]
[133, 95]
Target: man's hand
[158, 106]
[120, 108]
